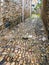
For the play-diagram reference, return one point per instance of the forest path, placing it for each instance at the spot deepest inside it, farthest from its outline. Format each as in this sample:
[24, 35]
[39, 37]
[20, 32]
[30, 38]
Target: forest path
[26, 42]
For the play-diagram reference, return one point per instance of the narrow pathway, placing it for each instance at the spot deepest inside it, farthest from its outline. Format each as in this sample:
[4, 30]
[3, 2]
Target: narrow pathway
[25, 44]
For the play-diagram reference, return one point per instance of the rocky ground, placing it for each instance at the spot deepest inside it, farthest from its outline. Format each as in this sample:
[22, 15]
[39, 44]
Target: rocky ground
[24, 44]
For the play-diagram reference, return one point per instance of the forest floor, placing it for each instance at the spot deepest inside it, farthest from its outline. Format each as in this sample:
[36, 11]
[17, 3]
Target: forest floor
[24, 44]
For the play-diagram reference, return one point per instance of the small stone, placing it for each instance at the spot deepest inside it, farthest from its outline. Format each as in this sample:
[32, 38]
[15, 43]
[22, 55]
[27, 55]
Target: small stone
[12, 49]
[47, 49]
[16, 51]
[13, 31]
[1, 23]
[19, 55]
[44, 38]
[1, 58]
[12, 54]
[8, 63]
[8, 59]
[1, 49]
[13, 63]
[8, 49]
[32, 60]
[4, 53]
[29, 36]
[21, 62]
